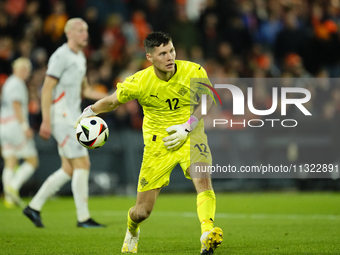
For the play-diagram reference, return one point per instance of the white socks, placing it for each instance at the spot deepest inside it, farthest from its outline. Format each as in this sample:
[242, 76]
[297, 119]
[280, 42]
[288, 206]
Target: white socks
[7, 176]
[80, 189]
[23, 173]
[15, 179]
[49, 188]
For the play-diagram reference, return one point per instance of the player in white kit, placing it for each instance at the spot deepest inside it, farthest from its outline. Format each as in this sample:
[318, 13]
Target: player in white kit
[64, 84]
[15, 134]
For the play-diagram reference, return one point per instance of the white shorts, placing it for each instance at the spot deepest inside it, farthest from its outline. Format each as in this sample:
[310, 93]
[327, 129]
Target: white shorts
[68, 146]
[15, 143]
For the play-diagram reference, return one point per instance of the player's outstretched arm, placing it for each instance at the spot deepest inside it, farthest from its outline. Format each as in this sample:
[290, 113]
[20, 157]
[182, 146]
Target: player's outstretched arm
[46, 102]
[105, 104]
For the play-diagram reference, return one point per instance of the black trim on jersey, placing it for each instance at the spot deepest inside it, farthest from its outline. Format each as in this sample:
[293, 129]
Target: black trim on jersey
[53, 77]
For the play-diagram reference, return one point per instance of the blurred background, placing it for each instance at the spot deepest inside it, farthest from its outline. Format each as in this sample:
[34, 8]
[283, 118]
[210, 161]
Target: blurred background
[230, 39]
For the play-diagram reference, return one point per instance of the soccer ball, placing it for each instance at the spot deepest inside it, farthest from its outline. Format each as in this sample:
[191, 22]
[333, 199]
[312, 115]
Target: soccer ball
[92, 132]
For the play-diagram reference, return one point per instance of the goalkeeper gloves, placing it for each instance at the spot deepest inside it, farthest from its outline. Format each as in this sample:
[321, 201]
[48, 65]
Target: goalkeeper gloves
[86, 113]
[179, 133]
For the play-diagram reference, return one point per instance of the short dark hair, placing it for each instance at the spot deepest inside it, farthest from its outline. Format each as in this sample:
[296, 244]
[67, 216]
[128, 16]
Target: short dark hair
[156, 39]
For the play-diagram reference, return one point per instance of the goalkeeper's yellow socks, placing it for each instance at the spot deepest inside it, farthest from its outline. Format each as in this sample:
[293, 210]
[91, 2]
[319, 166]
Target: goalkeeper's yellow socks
[133, 227]
[206, 207]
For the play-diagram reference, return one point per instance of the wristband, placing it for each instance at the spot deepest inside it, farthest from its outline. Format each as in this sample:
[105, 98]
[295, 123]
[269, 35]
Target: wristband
[193, 122]
[89, 108]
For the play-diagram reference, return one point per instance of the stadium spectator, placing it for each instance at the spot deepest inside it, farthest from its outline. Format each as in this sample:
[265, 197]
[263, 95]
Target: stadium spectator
[142, 28]
[238, 36]
[114, 39]
[157, 12]
[15, 7]
[95, 31]
[5, 26]
[54, 26]
[326, 43]
[183, 31]
[25, 19]
[293, 64]
[269, 29]
[291, 39]
[7, 54]
[210, 35]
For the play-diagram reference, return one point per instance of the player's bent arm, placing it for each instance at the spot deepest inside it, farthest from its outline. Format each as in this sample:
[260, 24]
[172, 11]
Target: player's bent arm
[46, 97]
[198, 111]
[46, 102]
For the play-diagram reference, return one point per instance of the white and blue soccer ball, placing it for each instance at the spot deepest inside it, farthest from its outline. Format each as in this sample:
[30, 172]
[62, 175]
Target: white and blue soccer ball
[92, 132]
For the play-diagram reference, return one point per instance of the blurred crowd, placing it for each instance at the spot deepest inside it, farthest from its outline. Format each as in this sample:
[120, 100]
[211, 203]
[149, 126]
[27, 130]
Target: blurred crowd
[230, 38]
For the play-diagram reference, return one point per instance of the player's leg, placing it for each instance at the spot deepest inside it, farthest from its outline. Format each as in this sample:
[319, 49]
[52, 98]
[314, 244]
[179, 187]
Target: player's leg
[200, 158]
[136, 215]
[7, 175]
[27, 151]
[211, 237]
[80, 190]
[154, 174]
[24, 172]
[8, 143]
[142, 209]
[12, 141]
[51, 186]
[206, 201]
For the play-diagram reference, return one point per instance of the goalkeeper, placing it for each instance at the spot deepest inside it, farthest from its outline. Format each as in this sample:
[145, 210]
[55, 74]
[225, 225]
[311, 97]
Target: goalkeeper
[173, 133]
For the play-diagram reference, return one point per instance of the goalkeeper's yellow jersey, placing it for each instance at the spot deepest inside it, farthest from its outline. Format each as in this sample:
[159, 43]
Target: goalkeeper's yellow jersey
[165, 103]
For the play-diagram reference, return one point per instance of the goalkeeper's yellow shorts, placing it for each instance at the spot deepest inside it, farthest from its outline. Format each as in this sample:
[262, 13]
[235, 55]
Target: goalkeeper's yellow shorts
[158, 161]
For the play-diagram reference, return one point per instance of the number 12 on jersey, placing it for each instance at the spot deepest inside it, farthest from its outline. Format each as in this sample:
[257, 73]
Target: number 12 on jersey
[174, 104]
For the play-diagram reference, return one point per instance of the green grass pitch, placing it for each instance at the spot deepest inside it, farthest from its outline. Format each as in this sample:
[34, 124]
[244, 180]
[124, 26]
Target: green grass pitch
[253, 223]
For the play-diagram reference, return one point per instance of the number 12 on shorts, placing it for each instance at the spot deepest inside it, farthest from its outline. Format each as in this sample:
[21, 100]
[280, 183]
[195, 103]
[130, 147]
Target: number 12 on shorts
[202, 148]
